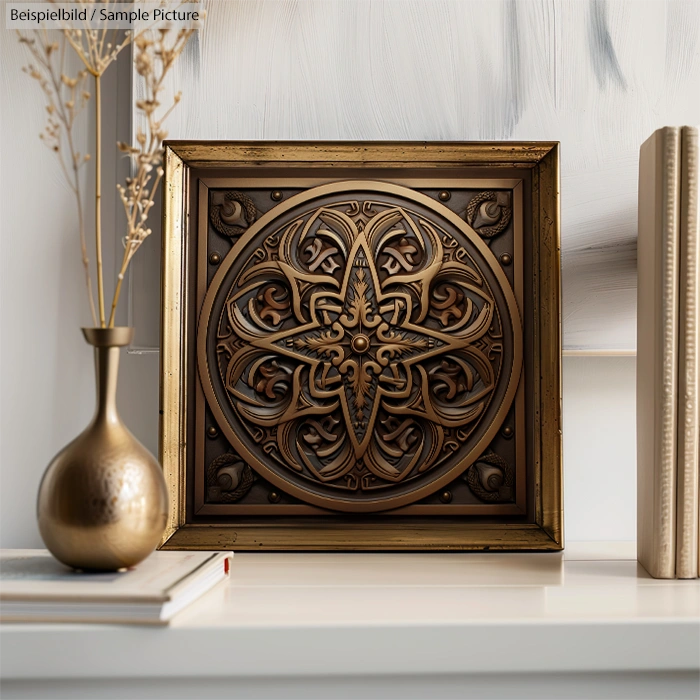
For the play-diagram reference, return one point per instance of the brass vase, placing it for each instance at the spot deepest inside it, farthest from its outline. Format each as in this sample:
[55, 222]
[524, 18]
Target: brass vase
[103, 501]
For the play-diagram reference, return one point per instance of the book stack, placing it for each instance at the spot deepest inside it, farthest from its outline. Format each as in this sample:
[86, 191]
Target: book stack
[668, 422]
[34, 587]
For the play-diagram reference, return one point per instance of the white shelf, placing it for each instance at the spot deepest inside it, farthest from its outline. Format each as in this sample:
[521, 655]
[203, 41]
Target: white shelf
[589, 610]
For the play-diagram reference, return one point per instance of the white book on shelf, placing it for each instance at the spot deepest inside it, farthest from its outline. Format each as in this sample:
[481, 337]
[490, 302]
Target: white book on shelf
[34, 587]
[688, 476]
[657, 350]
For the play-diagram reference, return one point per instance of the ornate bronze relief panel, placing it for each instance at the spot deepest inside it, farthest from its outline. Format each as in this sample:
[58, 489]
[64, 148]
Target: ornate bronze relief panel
[363, 353]
[361, 350]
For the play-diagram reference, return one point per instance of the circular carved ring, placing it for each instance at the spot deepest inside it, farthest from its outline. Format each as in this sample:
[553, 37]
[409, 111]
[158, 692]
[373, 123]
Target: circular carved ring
[359, 346]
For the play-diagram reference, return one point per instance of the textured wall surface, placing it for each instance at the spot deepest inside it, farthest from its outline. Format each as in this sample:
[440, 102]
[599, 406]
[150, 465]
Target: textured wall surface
[600, 454]
[361, 70]
[597, 75]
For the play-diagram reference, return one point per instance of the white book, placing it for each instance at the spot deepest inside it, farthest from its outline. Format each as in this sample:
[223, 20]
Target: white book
[34, 587]
[687, 484]
[657, 350]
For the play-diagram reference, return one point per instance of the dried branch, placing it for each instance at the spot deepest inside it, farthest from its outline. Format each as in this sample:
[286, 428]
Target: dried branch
[97, 49]
[155, 53]
[66, 97]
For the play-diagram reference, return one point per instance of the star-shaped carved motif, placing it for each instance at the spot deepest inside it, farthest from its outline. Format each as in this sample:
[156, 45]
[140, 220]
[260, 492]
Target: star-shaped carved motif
[359, 345]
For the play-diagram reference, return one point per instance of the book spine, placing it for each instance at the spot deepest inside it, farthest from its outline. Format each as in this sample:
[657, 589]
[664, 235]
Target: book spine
[657, 348]
[687, 495]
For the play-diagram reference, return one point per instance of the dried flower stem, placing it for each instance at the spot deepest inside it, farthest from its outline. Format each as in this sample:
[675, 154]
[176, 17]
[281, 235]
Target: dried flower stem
[154, 56]
[98, 49]
[98, 197]
[63, 111]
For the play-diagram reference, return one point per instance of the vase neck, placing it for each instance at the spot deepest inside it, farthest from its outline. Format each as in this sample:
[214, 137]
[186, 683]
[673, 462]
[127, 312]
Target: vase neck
[106, 373]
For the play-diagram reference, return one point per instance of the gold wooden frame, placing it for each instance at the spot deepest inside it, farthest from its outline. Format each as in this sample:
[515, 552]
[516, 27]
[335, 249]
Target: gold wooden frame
[546, 532]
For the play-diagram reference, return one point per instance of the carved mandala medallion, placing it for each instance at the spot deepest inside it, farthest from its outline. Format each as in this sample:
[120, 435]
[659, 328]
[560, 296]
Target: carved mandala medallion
[360, 346]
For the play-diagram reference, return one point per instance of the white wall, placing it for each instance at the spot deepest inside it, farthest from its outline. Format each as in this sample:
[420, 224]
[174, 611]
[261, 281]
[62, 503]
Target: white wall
[597, 75]
[600, 472]
[46, 384]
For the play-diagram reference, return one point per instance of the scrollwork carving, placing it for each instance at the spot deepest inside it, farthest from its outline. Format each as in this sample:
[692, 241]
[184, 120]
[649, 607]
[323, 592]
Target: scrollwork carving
[361, 336]
[229, 478]
[234, 215]
[491, 479]
[489, 213]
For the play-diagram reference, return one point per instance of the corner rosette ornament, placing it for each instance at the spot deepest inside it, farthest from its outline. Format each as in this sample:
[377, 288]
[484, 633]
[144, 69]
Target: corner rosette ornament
[489, 213]
[491, 479]
[229, 478]
[232, 216]
[357, 340]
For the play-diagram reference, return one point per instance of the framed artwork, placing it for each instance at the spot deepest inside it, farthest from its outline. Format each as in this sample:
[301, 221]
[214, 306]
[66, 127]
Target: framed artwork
[361, 346]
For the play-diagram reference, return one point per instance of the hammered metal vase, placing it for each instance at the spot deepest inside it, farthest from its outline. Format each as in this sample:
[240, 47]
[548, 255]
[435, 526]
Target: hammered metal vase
[103, 501]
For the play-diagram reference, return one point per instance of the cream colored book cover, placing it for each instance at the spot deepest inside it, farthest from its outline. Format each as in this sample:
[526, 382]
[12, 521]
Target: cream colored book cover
[34, 587]
[657, 350]
[687, 495]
